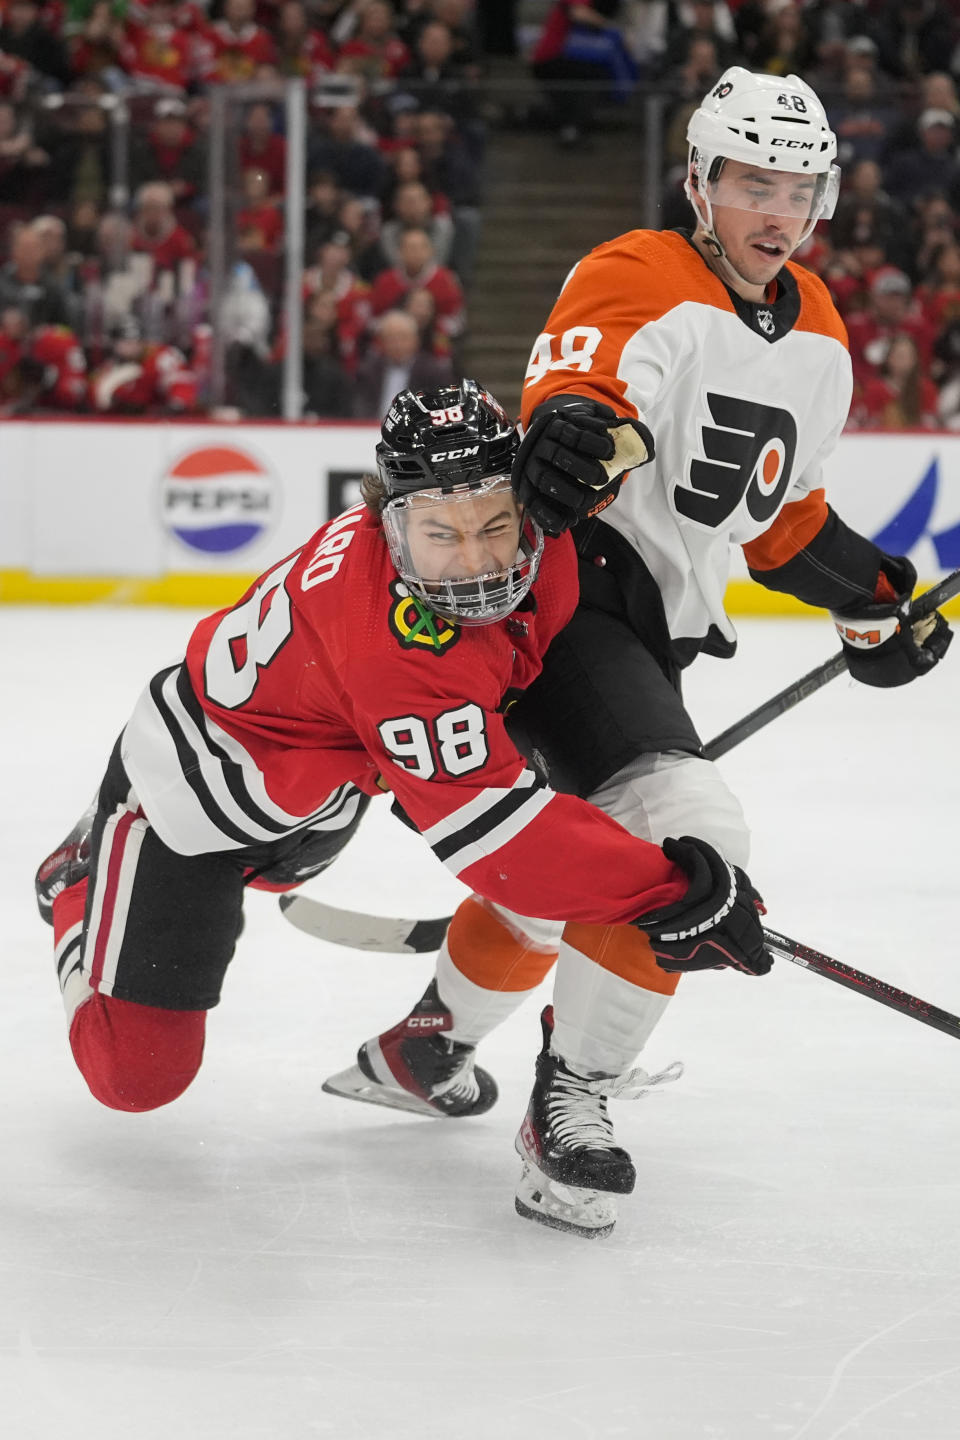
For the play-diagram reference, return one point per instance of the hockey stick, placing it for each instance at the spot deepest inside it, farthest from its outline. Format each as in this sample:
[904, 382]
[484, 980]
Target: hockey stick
[364, 932]
[864, 984]
[417, 937]
[814, 680]
[376, 933]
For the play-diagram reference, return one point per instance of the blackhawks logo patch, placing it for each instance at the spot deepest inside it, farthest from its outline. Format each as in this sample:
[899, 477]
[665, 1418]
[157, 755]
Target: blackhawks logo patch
[415, 626]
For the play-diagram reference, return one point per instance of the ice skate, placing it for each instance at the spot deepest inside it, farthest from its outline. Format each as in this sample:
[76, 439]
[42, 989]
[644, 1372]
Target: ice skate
[417, 1067]
[68, 864]
[573, 1167]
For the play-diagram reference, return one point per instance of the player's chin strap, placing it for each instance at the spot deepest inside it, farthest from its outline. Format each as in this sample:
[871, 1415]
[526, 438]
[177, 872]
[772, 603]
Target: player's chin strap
[705, 228]
[720, 261]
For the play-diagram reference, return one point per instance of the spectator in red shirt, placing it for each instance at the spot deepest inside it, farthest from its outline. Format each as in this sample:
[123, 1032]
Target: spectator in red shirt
[375, 50]
[156, 231]
[260, 221]
[333, 276]
[169, 151]
[63, 369]
[302, 50]
[892, 310]
[418, 270]
[235, 48]
[901, 396]
[157, 52]
[97, 48]
[140, 378]
[261, 148]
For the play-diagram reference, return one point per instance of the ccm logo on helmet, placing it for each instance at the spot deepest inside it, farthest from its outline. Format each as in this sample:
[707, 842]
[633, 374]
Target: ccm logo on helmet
[793, 144]
[460, 454]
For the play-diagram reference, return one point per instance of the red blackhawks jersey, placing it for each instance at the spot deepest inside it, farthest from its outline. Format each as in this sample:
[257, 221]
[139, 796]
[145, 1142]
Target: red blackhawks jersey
[744, 402]
[228, 56]
[159, 378]
[326, 680]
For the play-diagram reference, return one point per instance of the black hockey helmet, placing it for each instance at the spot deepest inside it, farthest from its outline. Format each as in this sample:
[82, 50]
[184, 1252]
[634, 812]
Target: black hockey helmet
[457, 535]
[441, 439]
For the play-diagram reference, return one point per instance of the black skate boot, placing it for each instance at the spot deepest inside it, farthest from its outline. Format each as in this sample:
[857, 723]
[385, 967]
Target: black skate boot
[416, 1066]
[69, 863]
[573, 1166]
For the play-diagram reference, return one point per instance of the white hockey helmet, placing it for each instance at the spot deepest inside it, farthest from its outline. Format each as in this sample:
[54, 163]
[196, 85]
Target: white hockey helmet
[773, 122]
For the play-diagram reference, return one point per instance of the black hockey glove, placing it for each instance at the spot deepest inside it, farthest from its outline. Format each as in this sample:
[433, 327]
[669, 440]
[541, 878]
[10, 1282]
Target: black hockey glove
[716, 924]
[570, 465]
[881, 645]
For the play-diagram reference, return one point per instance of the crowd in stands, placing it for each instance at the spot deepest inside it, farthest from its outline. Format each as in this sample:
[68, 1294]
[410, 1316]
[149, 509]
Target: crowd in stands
[105, 218]
[104, 199]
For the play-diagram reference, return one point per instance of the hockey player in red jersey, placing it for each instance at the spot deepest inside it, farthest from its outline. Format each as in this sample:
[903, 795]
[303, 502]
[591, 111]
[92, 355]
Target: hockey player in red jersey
[731, 365]
[139, 378]
[381, 655]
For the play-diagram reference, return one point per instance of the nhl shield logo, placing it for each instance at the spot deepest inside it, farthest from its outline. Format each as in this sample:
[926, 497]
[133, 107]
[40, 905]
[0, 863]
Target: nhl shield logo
[766, 321]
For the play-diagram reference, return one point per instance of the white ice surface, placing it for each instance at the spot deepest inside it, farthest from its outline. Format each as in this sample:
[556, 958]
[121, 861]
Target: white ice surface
[261, 1261]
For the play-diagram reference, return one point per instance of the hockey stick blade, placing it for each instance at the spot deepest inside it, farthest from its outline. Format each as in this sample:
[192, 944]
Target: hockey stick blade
[814, 680]
[862, 983]
[364, 932]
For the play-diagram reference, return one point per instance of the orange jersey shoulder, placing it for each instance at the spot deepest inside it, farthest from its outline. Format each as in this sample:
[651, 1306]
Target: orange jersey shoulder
[619, 287]
[817, 310]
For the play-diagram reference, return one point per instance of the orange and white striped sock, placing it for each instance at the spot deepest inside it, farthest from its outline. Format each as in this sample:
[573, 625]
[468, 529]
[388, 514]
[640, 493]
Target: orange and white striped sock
[609, 995]
[489, 963]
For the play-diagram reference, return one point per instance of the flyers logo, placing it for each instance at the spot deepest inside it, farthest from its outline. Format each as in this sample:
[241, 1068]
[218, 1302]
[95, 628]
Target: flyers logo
[415, 626]
[748, 452]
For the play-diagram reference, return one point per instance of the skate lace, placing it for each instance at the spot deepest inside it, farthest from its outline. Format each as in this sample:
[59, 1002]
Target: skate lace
[462, 1084]
[577, 1107]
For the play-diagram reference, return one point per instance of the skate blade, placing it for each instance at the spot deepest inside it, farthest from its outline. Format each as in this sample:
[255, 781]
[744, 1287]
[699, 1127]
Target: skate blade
[352, 1084]
[591, 1214]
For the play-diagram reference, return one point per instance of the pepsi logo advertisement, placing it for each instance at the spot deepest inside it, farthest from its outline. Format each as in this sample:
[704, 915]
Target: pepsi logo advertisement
[219, 499]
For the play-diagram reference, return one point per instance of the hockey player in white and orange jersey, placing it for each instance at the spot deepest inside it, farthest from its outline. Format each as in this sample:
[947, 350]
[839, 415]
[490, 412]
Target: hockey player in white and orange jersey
[731, 365]
[379, 656]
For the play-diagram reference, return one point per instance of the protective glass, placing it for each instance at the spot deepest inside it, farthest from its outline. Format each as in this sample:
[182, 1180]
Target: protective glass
[468, 554]
[788, 194]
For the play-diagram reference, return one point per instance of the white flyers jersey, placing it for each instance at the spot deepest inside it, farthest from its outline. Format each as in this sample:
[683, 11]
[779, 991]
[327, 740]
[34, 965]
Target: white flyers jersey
[744, 402]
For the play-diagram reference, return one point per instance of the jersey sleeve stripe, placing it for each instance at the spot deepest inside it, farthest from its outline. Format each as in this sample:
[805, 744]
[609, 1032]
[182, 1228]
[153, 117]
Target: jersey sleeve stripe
[339, 810]
[196, 768]
[502, 823]
[168, 741]
[476, 808]
[68, 946]
[235, 773]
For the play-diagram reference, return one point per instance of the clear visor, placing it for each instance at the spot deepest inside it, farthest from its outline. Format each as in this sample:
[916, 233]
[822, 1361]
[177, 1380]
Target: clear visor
[788, 194]
[468, 554]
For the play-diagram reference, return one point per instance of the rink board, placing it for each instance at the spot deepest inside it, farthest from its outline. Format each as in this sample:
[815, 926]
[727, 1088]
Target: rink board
[189, 512]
